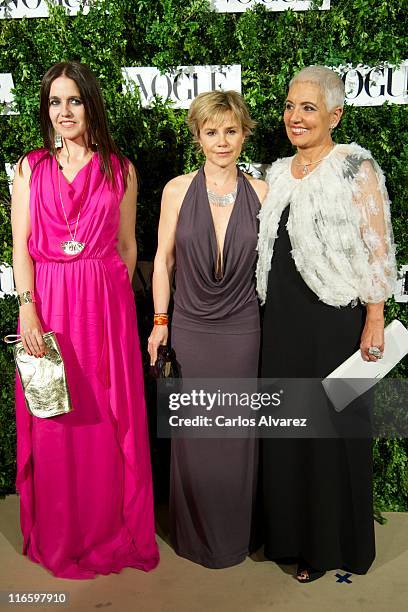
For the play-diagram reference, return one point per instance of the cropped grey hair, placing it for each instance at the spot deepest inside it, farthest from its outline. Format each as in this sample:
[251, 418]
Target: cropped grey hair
[331, 85]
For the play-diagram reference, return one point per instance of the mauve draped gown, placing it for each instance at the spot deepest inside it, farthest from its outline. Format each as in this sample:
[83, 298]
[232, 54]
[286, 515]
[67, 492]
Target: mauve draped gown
[84, 478]
[215, 333]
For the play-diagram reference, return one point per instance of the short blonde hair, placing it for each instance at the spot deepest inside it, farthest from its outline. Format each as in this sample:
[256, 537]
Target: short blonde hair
[331, 85]
[212, 106]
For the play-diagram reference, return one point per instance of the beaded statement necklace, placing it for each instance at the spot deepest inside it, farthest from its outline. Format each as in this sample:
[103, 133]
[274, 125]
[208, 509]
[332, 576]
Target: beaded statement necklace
[222, 200]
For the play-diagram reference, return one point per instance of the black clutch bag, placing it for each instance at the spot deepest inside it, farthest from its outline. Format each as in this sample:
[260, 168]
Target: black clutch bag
[166, 365]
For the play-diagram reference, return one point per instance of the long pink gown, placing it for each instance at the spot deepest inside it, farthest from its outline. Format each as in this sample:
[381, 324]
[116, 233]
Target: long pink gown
[84, 478]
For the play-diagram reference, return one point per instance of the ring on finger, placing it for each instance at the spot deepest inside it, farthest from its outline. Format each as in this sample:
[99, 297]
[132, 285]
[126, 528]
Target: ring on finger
[375, 352]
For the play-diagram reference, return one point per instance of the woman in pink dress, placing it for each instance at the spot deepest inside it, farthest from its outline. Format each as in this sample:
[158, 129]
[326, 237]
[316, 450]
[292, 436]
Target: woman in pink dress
[84, 478]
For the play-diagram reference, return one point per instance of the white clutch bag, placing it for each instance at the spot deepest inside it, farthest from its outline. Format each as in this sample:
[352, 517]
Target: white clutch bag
[355, 376]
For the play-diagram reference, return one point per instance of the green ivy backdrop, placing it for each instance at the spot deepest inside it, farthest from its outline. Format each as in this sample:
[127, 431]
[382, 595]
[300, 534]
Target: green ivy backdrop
[270, 47]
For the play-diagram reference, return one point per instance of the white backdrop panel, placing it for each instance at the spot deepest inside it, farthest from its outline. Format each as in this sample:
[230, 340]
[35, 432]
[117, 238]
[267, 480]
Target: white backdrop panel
[10, 169]
[239, 6]
[6, 97]
[182, 84]
[372, 86]
[16, 9]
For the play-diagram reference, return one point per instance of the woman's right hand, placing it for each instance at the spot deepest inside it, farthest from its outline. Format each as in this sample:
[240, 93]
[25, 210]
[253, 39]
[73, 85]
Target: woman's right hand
[31, 331]
[159, 335]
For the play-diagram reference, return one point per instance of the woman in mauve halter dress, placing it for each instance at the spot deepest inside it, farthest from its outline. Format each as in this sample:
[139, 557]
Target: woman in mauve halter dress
[210, 239]
[84, 478]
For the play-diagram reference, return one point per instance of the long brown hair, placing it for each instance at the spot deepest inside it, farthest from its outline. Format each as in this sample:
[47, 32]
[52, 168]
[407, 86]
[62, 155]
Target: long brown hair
[92, 99]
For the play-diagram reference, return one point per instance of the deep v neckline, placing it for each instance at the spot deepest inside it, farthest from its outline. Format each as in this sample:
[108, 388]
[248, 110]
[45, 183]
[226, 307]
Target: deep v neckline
[79, 172]
[220, 252]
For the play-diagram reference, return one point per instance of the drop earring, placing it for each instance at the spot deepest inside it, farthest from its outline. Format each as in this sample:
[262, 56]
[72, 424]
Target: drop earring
[57, 140]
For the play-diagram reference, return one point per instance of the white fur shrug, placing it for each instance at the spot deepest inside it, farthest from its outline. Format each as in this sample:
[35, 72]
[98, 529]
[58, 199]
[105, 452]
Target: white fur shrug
[339, 227]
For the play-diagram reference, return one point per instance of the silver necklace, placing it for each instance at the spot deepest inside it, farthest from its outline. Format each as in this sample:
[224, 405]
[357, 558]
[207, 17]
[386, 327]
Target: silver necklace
[306, 166]
[72, 247]
[222, 200]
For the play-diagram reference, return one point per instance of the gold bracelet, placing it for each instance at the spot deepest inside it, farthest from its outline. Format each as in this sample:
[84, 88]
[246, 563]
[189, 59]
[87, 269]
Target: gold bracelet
[27, 297]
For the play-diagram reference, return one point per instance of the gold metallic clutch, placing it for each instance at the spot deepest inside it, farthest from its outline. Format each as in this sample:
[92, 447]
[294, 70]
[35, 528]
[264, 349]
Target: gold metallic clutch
[43, 379]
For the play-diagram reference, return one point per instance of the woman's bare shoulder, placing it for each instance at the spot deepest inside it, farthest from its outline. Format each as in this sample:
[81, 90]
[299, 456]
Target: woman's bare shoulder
[179, 184]
[176, 189]
[260, 187]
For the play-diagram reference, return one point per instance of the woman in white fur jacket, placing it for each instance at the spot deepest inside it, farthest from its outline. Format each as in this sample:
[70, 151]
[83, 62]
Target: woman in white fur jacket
[326, 265]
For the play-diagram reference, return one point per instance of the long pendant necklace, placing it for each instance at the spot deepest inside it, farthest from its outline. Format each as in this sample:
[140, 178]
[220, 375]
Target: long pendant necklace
[72, 247]
[306, 166]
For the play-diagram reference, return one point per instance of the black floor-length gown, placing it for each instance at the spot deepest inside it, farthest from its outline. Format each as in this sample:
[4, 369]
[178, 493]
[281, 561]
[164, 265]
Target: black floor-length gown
[216, 334]
[317, 492]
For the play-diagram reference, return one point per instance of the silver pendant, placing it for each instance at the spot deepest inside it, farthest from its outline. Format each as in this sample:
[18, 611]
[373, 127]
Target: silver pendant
[72, 247]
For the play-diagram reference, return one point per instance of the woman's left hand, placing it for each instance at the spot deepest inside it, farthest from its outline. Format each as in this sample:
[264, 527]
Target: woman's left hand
[372, 336]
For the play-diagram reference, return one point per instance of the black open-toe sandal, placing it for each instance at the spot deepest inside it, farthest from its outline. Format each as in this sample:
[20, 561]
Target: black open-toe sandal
[312, 573]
